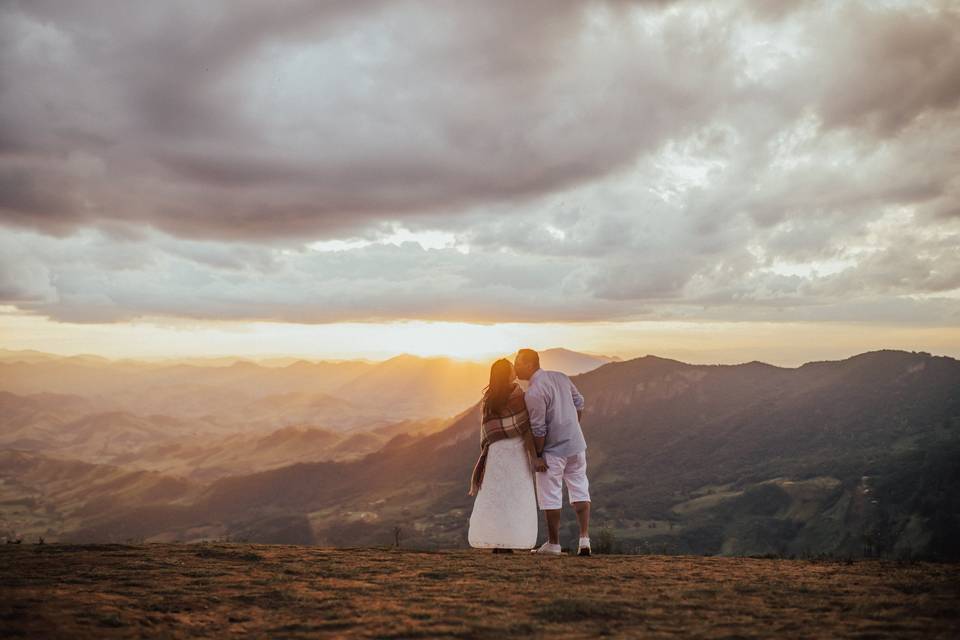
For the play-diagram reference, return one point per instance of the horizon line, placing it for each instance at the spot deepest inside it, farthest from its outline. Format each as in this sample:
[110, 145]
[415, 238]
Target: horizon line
[258, 360]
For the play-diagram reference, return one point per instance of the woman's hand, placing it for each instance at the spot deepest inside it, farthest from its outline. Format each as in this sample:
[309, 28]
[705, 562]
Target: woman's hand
[539, 465]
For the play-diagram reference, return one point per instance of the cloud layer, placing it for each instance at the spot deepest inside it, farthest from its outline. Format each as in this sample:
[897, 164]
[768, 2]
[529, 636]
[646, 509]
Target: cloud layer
[578, 161]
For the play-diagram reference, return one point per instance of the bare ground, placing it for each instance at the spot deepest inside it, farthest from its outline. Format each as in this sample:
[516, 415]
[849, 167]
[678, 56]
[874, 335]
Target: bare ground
[246, 590]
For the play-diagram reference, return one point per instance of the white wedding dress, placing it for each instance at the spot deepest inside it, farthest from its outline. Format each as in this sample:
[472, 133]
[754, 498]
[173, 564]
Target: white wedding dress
[505, 510]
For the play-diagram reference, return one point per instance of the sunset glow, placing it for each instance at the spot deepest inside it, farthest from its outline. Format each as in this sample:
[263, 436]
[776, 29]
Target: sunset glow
[786, 344]
[709, 181]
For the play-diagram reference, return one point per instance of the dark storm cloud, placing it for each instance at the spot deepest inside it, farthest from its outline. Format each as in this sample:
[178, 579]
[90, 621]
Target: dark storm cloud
[896, 67]
[24, 193]
[330, 116]
[586, 160]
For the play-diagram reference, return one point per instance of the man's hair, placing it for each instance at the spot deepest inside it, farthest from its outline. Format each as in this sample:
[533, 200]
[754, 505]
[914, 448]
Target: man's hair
[530, 355]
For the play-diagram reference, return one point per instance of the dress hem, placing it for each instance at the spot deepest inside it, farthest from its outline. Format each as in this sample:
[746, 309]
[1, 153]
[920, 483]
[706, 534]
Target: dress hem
[501, 546]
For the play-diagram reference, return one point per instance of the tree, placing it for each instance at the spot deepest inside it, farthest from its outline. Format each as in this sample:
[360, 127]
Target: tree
[606, 541]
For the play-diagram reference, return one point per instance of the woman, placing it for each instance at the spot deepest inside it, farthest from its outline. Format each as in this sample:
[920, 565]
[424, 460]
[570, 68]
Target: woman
[505, 510]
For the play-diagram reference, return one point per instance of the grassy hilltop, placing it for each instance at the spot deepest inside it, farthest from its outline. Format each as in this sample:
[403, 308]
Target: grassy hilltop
[188, 591]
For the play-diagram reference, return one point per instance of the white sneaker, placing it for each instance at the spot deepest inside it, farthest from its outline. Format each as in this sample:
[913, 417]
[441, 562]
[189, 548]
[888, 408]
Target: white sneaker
[584, 549]
[547, 549]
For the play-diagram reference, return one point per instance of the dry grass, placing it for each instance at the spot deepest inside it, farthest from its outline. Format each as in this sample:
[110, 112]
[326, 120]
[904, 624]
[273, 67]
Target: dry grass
[243, 590]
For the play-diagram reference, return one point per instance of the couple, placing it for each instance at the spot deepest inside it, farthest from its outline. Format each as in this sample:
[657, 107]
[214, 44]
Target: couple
[531, 444]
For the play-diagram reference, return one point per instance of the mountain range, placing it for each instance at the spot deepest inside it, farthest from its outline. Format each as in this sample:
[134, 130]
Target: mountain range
[853, 457]
[336, 395]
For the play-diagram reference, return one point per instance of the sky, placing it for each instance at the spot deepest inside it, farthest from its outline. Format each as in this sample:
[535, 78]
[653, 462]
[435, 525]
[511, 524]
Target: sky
[709, 181]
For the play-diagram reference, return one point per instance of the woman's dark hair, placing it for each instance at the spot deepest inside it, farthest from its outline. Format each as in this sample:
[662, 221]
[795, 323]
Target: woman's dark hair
[497, 393]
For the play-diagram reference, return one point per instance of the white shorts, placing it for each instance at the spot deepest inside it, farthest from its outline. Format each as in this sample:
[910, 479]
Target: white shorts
[570, 470]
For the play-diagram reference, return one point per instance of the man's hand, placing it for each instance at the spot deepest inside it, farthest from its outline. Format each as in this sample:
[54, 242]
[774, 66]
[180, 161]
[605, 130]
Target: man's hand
[540, 465]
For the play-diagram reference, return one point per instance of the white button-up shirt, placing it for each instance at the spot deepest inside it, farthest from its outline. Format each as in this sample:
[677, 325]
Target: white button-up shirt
[552, 402]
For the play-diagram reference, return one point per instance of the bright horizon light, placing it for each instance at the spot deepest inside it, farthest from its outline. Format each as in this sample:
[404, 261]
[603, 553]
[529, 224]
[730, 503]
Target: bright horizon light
[784, 344]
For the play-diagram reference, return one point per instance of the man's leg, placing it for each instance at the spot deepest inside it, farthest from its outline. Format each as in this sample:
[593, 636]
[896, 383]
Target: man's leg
[550, 499]
[583, 517]
[553, 525]
[575, 477]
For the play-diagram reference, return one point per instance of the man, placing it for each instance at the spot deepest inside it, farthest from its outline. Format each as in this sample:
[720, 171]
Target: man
[555, 407]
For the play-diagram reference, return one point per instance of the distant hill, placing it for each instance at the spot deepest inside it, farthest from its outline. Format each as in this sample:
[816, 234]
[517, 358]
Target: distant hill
[26, 355]
[571, 362]
[179, 389]
[85, 429]
[76, 428]
[414, 386]
[335, 395]
[45, 496]
[860, 456]
[212, 457]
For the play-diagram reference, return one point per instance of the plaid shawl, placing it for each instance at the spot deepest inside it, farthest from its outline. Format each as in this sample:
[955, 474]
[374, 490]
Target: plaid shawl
[512, 422]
